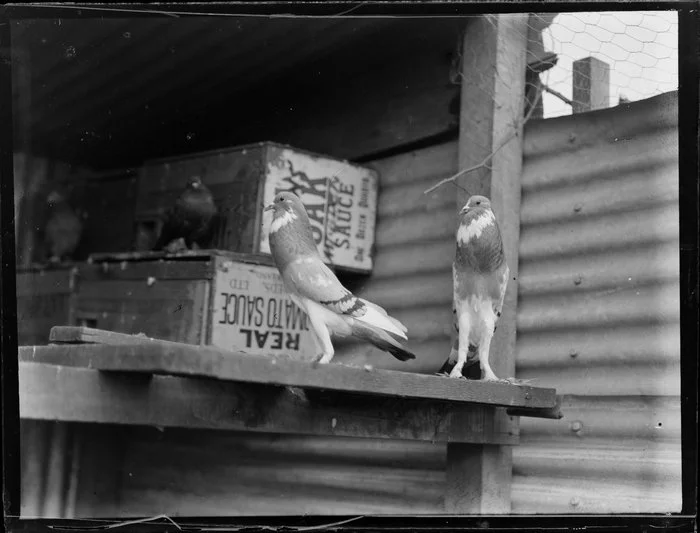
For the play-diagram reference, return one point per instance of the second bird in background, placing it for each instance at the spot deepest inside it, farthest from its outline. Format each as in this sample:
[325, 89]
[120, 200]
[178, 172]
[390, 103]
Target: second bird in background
[188, 223]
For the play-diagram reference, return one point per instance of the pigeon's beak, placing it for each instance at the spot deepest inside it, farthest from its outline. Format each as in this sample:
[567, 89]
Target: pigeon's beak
[269, 207]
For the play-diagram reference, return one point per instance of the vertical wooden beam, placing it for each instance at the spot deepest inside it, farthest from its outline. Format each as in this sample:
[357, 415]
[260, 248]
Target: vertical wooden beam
[95, 486]
[491, 120]
[591, 85]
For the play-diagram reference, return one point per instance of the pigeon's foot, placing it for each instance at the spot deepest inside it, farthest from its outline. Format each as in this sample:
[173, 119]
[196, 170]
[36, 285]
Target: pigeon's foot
[516, 381]
[494, 379]
[321, 359]
[442, 374]
[456, 373]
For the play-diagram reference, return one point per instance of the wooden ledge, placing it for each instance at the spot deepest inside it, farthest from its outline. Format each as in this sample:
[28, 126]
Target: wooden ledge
[155, 357]
[99, 376]
[71, 394]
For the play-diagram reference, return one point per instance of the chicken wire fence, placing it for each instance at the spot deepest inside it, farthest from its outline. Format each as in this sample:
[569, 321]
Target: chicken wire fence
[635, 53]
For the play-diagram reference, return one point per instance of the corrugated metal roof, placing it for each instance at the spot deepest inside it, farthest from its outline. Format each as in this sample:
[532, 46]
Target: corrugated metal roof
[599, 311]
[110, 92]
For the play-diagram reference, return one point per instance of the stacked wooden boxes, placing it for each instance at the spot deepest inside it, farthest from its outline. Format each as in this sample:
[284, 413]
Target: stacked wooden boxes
[231, 295]
[340, 198]
[232, 301]
[45, 298]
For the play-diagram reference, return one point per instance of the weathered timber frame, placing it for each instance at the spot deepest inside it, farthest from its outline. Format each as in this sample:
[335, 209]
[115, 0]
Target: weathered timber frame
[492, 108]
[99, 377]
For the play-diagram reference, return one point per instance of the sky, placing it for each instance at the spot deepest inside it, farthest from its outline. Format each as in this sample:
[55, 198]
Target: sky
[641, 48]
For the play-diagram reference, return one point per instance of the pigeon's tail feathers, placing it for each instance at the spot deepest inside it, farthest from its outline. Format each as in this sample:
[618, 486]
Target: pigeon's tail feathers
[378, 318]
[381, 339]
[382, 311]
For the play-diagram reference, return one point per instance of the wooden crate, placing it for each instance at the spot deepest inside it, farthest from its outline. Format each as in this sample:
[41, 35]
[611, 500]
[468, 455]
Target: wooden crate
[45, 298]
[340, 198]
[107, 202]
[231, 301]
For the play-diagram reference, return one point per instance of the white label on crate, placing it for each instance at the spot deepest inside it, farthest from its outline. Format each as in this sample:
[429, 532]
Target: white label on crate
[340, 200]
[253, 314]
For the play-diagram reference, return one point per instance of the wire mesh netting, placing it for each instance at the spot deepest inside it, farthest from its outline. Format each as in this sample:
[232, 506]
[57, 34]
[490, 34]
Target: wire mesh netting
[640, 49]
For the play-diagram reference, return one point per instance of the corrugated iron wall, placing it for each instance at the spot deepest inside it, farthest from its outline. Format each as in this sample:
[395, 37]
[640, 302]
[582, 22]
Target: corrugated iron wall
[599, 311]
[412, 276]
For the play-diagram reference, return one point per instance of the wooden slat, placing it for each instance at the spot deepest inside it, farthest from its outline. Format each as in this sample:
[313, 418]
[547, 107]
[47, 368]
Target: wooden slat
[84, 335]
[207, 361]
[258, 259]
[51, 392]
[492, 99]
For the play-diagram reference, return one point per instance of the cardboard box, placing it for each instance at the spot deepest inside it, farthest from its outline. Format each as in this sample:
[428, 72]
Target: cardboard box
[232, 301]
[340, 197]
[45, 298]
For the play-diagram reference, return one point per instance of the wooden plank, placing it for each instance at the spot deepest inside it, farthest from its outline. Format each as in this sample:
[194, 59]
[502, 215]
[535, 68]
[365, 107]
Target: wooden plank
[184, 255]
[553, 413]
[491, 122]
[484, 489]
[142, 270]
[207, 361]
[50, 392]
[85, 335]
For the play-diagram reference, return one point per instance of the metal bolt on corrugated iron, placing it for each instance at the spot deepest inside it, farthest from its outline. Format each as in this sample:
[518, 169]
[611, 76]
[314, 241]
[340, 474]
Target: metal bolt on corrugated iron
[578, 280]
[573, 354]
[576, 426]
[575, 501]
[150, 281]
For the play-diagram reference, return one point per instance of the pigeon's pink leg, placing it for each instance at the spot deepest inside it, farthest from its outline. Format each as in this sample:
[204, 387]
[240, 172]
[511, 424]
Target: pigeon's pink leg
[323, 336]
[464, 328]
[484, 346]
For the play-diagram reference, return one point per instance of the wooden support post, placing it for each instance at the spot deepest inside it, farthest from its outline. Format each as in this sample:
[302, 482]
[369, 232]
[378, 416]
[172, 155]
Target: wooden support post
[591, 85]
[491, 120]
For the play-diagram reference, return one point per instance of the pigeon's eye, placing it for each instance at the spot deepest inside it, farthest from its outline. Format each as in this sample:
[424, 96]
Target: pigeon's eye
[478, 203]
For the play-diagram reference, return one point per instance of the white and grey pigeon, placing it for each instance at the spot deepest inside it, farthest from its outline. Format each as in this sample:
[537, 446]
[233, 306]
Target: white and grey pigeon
[331, 308]
[480, 277]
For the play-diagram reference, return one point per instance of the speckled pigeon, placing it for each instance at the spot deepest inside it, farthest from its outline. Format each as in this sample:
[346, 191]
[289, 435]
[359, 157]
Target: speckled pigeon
[480, 277]
[63, 228]
[190, 219]
[331, 308]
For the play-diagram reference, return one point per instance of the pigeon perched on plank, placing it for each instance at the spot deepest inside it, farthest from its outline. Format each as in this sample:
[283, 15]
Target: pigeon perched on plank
[331, 308]
[63, 228]
[190, 220]
[480, 277]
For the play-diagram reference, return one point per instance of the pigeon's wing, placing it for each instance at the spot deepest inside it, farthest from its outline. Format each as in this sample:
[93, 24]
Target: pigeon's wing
[311, 278]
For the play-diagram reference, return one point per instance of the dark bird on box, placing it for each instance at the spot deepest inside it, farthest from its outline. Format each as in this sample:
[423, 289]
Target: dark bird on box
[331, 308]
[189, 222]
[480, 277]
[63, 228]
